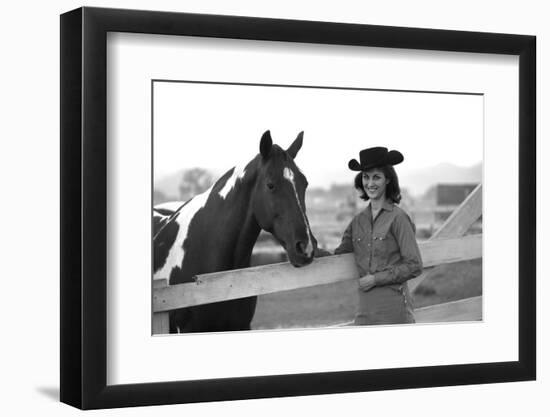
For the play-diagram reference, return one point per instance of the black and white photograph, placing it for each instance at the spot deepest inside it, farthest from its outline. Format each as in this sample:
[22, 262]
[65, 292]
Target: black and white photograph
[314, 206]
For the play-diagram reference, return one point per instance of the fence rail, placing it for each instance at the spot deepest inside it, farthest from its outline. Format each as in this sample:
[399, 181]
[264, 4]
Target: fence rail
[239, 283]
[460, 310]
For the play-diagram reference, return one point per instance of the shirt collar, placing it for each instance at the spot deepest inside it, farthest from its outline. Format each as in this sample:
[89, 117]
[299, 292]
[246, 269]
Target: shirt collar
[386, 205]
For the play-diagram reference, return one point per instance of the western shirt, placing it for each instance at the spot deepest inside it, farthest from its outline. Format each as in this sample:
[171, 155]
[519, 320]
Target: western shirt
[385, 247]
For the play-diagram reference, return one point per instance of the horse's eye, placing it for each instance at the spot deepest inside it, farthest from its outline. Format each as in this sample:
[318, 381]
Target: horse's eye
[270, 185]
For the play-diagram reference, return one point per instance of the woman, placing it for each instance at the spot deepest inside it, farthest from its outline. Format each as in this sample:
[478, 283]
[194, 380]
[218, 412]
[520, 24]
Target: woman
[382, 238]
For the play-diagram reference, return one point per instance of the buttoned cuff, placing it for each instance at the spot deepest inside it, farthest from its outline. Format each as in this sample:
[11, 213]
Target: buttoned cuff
[383, 277]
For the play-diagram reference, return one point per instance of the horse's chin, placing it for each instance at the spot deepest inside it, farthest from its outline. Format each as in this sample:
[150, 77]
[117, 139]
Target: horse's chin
[299, 260]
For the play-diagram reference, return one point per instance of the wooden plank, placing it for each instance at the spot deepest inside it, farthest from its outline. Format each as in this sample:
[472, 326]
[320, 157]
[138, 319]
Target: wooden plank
[456, 225]
[468, 309]
[161, 321]
[239, 283]
[463, 217]
[446, 251]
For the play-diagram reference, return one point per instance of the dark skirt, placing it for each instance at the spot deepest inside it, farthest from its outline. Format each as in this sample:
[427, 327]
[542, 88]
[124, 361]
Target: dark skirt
[390, 304]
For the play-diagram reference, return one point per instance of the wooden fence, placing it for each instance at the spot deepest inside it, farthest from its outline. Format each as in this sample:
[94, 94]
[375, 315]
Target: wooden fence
[448, 244]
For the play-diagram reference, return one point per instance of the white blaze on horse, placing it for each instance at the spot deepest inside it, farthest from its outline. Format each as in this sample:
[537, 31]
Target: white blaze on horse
[217, 230]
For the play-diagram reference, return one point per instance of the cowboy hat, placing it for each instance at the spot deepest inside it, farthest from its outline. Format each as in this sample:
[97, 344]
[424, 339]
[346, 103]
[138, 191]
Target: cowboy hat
[374, 158]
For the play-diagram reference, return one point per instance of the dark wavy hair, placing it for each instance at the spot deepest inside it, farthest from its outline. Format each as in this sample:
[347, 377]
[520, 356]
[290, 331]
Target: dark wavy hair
[393, 191]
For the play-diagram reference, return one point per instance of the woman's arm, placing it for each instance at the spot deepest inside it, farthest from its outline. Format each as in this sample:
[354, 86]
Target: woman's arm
[346, 245]
[410, 265]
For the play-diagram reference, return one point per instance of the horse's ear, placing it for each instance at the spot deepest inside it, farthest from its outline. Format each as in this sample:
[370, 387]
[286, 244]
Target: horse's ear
[265, 144]
[296, 145]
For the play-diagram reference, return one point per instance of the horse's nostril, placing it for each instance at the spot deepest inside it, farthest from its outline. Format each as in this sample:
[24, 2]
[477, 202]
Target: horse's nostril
[300, 247]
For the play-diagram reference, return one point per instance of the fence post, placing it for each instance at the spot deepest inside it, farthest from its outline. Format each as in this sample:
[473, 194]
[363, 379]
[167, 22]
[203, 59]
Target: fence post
[161, 321]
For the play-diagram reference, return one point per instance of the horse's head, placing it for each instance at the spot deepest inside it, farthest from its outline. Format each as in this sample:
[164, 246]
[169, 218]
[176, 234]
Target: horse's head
[279, 199]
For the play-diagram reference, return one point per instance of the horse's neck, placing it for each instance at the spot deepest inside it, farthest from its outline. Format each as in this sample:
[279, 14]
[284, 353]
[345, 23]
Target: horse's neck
[245, 240]
[237, 225]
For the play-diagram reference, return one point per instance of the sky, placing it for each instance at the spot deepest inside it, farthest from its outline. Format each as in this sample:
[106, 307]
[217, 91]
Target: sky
[218, 126]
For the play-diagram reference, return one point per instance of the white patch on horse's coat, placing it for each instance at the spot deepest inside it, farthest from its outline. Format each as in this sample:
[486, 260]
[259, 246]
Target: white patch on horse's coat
[177, 253]
[289, 176]
[238, 173]
[159, 215]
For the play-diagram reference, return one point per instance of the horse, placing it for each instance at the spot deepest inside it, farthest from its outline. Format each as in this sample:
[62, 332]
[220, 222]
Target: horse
[216, 231]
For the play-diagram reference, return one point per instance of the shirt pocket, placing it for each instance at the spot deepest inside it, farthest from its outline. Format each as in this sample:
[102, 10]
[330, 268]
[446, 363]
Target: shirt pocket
[361, 251]
[383, 246]
[361, 245]
[359, 241]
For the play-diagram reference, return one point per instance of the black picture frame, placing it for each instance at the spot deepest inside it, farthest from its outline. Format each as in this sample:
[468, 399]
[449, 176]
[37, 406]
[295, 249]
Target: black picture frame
[84, 209]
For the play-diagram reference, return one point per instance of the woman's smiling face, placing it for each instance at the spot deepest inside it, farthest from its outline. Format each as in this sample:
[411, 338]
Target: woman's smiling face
[374, 183]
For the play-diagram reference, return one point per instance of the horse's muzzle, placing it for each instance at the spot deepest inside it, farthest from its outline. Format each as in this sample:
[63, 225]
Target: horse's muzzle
[303, 255]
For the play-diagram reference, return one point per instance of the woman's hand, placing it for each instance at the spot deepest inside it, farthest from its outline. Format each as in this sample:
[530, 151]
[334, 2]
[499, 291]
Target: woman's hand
[367, 282]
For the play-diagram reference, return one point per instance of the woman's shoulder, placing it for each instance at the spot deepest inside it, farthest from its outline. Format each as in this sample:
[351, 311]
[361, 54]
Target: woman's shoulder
[357, 216]
[399, 211]
[401, 216]
[360, 216]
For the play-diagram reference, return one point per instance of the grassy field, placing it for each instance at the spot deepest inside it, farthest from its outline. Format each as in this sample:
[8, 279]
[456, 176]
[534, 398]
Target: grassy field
[335, 303]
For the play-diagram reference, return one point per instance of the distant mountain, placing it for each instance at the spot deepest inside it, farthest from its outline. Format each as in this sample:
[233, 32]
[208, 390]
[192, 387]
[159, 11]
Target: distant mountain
[418, 181]
[415, 181]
